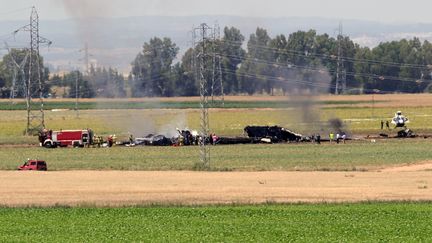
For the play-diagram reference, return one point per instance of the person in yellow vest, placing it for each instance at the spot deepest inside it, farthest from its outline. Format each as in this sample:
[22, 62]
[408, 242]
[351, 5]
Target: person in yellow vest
[181, 140]
[331, 137]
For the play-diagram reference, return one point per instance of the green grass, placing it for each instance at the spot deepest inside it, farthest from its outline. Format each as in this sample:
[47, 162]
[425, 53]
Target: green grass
[229, 122]
[125, 104]
[351, 156]
[365, 222]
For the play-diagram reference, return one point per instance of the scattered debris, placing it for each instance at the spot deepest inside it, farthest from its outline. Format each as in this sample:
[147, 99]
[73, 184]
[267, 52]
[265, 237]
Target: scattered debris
[154, 140]
[275, 134]
[406, 133]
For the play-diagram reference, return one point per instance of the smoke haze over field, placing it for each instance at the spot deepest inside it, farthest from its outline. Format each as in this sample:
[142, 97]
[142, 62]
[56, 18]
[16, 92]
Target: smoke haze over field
[303, 95]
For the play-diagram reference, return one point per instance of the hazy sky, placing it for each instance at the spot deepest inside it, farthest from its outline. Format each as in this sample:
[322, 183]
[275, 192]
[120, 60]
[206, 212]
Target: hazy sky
[381, 10]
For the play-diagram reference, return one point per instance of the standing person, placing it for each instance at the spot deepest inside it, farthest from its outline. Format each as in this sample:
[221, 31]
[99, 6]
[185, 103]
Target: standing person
[131, 139]
[318, 138]
[214, 138]
[343, 137]
[382, 124]
[388, 125]
[337, 138]
[331, 137]
[110, 141]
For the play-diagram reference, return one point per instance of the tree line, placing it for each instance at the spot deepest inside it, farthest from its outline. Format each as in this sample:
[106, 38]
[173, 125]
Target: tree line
[303, 61]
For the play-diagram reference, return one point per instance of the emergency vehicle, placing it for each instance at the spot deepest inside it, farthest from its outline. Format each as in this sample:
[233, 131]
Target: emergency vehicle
[64, 138]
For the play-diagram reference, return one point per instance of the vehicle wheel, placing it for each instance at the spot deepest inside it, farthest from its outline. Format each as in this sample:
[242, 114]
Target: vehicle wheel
[48, 145]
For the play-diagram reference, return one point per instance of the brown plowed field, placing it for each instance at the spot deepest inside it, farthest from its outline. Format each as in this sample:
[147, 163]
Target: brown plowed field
[118, 188]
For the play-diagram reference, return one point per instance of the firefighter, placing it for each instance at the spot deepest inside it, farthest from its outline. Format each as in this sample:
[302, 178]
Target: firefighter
[100, 141]
[97, 141]
[181, 140]
[42, 136]
[131, 139]
[110, 141]
[214, 138]
[91, 138]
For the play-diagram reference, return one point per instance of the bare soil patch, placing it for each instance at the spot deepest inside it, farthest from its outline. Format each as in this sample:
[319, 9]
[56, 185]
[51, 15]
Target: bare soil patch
[387, 100]
[118, 188]
[423, 166]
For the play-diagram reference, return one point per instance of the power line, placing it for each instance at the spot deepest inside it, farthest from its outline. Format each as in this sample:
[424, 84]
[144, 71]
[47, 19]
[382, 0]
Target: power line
[300, 81]
[334, 57]
[15, 11]
[366, 75]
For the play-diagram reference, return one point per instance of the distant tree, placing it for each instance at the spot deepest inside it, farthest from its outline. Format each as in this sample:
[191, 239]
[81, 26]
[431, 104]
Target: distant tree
[17, 56]
[85, 89]
[254, 71]
[108, 83]
[186, 83]
[232, 55]
[152, 68]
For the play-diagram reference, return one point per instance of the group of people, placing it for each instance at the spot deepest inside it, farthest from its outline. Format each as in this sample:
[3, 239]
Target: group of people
[187, 137]
[339, 137]
[98, 141]
[387, 124]
[332, 138]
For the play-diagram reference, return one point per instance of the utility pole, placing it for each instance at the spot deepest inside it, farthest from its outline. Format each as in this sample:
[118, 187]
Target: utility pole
[201, 63]
[35, 119]
[340, 73]
[86, 58]
[76, 94]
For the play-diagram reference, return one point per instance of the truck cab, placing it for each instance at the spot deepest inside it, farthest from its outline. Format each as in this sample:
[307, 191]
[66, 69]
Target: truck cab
[32, 164]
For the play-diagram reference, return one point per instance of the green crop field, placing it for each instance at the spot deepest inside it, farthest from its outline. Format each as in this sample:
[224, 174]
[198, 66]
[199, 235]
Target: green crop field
[154, 104]
[365, 222]
[355, 155]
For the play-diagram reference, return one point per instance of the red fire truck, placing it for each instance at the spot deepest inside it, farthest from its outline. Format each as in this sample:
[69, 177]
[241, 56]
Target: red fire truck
[64, 138]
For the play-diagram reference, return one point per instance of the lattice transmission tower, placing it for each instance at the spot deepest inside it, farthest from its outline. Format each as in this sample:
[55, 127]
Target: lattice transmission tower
[340, 87]
[202, 61]
[35, 84]
[17, 66]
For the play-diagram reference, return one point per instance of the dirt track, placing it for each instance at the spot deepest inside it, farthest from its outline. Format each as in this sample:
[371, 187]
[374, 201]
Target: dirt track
[114, 188]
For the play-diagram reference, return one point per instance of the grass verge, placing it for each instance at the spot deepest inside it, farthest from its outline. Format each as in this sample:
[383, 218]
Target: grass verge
[353, 156]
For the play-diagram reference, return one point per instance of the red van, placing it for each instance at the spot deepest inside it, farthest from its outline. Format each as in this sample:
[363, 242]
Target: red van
[33, 164]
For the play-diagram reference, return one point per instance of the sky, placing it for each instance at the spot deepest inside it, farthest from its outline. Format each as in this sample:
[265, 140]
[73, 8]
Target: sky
[388, 11]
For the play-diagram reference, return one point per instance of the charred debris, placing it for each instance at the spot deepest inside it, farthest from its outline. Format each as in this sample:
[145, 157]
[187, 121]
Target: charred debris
[252, 134]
